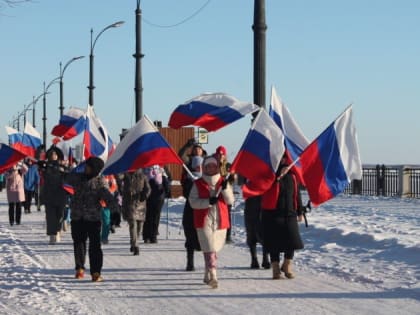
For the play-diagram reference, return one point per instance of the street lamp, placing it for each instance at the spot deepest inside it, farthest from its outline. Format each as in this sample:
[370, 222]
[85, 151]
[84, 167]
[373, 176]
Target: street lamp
[34, 101]
[92, 46]
[260, 28]
[20, 114]
[44, 117]
[61, 81]
[138, 85]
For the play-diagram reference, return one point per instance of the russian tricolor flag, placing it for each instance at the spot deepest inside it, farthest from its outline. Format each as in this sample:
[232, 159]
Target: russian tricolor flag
[260, 155]
[31, 140]
[70, 156]
[332, 160]
[70, 124]
[141, 147]
[211, 111]
[294, 140]
[9, 157]
[15, 138]
[96, 140]
[69, 188]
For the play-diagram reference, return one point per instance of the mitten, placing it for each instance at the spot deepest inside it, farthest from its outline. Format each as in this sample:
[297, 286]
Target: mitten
[224, 184]
[213, 200]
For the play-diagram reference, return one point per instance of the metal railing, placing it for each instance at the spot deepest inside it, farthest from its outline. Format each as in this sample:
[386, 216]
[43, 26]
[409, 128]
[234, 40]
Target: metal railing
[381, 180]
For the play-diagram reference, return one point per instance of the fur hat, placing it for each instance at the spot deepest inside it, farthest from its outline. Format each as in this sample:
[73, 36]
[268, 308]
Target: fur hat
[57, 151]
[96, 164]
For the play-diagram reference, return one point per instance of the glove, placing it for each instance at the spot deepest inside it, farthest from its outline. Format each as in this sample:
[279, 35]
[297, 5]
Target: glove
[143, 196]
[42, 163]
[301, 210]
[213, 200]
[224, 184]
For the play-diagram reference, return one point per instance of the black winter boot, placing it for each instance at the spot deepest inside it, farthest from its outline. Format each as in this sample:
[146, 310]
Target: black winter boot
[190, 260]
[254, 260]
[266, 261]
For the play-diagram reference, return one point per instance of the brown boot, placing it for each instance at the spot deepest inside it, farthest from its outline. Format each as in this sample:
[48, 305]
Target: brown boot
[275, 265]
[206, 279]
[213, 279]
[287, 269]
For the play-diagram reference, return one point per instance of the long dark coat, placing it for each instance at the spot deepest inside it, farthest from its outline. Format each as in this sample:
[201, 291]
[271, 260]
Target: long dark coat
[280, 225]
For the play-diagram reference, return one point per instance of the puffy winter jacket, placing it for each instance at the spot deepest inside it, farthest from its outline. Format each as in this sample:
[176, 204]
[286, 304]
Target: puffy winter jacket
[85, 203]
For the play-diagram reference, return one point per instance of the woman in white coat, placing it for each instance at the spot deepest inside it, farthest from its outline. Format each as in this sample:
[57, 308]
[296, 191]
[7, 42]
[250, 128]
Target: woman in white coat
[209, 198]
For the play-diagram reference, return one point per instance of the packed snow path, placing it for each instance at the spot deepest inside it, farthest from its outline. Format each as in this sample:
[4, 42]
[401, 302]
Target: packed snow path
[334, 274]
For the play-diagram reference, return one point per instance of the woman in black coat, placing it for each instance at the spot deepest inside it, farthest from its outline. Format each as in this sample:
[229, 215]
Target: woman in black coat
[281, 210]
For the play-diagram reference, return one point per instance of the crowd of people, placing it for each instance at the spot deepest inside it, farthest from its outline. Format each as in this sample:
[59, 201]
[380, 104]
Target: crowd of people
[93, 205]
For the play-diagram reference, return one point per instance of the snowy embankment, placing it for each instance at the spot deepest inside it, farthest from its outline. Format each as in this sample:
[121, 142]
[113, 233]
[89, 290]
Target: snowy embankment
[361, 256]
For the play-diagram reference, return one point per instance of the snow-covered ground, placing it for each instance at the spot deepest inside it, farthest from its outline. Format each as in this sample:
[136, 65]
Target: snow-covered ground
[361, 256]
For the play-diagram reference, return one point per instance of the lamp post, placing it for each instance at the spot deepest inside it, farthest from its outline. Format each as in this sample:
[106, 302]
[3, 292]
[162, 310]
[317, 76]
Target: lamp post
[138, 85]
[33, 111]
[14, 120]
[18, 120]
[92, 46]
[34, 101]
[61, 108]
[259, 27]
[44, 117]
[25, 109]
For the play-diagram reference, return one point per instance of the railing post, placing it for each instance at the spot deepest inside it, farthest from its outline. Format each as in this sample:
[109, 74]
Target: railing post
[383, 181]
[378, 180]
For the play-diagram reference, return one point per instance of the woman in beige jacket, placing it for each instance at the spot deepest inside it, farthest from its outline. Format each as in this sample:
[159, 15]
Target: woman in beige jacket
[15, 191]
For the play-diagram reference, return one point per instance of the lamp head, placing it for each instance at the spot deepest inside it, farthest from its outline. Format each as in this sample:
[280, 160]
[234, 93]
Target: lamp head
[117, 24]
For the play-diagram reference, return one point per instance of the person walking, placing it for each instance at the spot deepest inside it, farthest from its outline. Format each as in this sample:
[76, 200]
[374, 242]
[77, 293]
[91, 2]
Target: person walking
[282, 209]
[106, 212]
[53, 194]
[191, 239]
[159, 185]
[2, 182]
[135, 191]
[221, 156]
[86, 211]
[192, 154]
[15, 191]
[31, 182]
[209, 197]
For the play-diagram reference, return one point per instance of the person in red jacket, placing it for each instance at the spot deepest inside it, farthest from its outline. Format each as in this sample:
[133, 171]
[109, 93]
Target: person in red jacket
[209, 197]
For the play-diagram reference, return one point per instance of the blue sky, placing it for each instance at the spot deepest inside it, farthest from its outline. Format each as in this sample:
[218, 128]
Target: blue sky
[321, 56]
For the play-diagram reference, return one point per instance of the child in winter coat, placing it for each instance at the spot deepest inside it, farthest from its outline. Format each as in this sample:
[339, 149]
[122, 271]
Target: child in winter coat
[31, 182]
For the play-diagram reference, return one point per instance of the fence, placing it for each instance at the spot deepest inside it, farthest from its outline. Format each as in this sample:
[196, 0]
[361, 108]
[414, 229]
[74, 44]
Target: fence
[381, 180]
